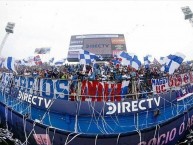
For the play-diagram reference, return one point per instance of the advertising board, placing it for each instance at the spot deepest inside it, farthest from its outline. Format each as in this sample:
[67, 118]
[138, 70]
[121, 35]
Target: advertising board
[99, 44]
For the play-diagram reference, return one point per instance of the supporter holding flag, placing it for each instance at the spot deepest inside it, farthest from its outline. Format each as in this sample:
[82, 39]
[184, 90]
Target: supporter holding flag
[173, 62]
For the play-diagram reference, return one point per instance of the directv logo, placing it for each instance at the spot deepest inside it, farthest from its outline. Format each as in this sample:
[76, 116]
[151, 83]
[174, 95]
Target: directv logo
[133, 106]
[97, 45]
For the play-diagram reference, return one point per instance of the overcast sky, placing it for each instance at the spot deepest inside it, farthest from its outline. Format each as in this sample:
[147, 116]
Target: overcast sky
[156, 28]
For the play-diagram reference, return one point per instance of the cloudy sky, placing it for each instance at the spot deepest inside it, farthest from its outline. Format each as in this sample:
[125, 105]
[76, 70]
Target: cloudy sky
[150, 27]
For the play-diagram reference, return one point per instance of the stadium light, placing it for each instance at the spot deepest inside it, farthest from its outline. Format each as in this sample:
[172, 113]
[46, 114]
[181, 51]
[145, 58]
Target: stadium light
[188, 14]
[9, 29]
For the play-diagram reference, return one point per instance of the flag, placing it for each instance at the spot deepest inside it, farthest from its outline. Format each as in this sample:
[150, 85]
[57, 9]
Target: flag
[135, 63]
[124, 58]
[86, 57]
[116, 61]
[99, 57]
[163, 60]
[147, 61]
[60, 62]
[42, 50]
[29, 61]
[127, 59]
[37, 60]
[37, 50]
[9, 63]
[173, 62]
[156, 62]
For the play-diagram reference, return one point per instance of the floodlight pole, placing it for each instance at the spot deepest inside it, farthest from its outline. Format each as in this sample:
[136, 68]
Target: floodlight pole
[8, 29]
[3, 42]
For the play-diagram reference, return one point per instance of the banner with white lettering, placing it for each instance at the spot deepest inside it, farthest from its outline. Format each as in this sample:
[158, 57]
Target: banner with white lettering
[160, 85]
[103, 91]
[173, 82]
[36, 91]
[140, 105]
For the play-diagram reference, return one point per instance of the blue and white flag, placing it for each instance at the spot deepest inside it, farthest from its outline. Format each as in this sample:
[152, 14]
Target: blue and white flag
[60, 62]
[173, 62]
[135, 62]
[86, 57]
[127, 59]
[163, 60]
[116, 61]
[99, 57]
[147, 61]
[9, 63]
[29, 61]
[124, 58]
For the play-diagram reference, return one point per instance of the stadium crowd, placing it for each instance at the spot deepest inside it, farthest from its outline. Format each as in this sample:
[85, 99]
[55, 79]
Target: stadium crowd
[97, 72]
[101, 72]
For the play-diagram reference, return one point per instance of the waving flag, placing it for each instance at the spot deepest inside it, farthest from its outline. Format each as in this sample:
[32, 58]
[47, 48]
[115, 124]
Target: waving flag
[99, 57]
[42, 50]
[124, 58]
[156, 62]
[173, 62]
[147, 61]
[9, 63]
[60, 62]
[135, 63]
[116, 61]
[86, 57]
[163, 60]
[37, 60]
[129, 59]
[29, 61]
